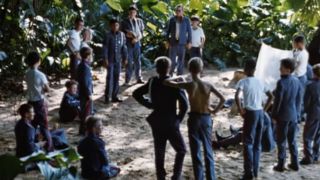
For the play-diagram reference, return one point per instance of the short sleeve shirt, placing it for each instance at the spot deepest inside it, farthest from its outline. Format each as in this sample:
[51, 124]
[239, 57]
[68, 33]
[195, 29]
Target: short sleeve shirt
[302, 58]
[253, 93]
[35, 80]
[197, 34]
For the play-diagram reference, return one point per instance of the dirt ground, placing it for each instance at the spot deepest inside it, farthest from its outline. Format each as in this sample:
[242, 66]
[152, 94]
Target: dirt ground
[129, 140]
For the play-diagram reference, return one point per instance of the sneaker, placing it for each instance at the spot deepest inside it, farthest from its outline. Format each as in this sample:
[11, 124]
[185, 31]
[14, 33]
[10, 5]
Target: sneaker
[293, 167]
[278, 168]
[140, 81]
[215, 145]
[305, 161]
[116, 100]
[245, 177]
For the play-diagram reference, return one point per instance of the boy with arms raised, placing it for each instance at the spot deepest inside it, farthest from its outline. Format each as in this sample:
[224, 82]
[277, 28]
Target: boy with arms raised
[200, 122]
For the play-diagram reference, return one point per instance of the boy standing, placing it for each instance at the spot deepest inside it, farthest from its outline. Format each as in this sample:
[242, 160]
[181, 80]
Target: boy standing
[200, 122]
[95, 163]
[37, 85]
[70, 104]
[252, 111]
[198, 37]
[164, 121]
[285, 112]
[311, 131]
[115, 52]
[85, 87]
[25, 132]
[74, 43]
[301, 57]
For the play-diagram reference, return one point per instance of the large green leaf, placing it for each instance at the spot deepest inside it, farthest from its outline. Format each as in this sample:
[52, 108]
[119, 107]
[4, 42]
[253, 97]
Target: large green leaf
[10, 167]
[161, 7]
[293, 4]
[243, 2]
[115, 5]
[196, 4]
[125, 4]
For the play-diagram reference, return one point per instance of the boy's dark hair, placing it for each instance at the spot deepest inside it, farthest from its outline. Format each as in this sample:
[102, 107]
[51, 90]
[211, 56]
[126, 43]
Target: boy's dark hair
[85, 52]
[92, 122]
[70, 83]
[179, 6]
[250, 66]
[298, 39]
[77, 20]
[288, 64]
[24, 108]
[113, 21]
[195, 65]
[32, 58]
[316, 70]
[163, 63]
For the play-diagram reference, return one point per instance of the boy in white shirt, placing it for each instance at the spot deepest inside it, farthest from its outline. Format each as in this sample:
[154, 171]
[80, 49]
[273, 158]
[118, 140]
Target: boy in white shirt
[198, 37]
[252, 112]
[301, 57]
[37, 85]
[74, 44]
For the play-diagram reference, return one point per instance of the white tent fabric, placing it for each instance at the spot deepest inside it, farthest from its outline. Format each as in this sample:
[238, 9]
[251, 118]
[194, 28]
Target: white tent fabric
[268, 65]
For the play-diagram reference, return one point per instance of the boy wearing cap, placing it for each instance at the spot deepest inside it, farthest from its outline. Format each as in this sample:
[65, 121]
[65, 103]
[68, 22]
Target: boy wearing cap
[133, 28]
[115, 51]
[198, 37]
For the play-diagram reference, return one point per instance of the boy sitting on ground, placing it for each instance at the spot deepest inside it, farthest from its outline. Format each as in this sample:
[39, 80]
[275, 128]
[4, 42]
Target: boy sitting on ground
[25, 132]
[70, 104]
[95, 163]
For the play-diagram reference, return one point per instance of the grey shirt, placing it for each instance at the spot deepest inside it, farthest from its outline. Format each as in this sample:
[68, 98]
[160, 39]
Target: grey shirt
[35, 80]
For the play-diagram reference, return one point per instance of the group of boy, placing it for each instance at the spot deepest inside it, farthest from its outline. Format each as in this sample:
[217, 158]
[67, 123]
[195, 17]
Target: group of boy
[291, 94]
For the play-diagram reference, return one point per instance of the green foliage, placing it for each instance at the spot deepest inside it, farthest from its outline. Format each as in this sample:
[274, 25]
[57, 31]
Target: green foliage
[234, 28]
[10, 167]
[55, 165]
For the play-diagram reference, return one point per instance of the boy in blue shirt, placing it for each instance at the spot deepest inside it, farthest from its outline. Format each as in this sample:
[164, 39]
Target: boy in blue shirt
[164, 121]
[115, 52]
[285, 112]
[311, 133]
[70, 104]
[25, 132]
[37, 85]
[95, 163]
[252, 111]
[85, 87]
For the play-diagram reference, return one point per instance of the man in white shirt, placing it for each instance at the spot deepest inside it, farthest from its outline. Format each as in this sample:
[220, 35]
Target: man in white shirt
[74, 43]
[198, 37]
[301, 57]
